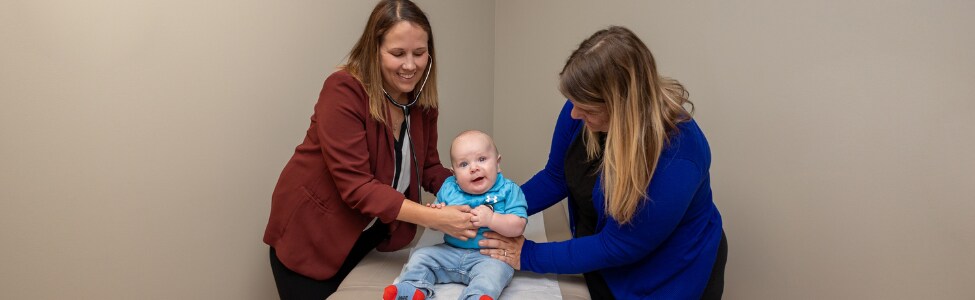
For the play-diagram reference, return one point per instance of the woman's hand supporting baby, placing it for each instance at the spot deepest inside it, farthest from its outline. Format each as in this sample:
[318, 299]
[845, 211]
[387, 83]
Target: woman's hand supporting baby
[454, 220]
[506, 249]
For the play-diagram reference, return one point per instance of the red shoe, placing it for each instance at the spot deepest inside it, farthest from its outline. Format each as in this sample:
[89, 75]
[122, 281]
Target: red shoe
[485, 297]
[390, 292]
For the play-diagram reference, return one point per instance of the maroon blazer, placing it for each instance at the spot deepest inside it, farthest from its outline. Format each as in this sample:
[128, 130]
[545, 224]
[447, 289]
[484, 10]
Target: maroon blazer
[340, 177]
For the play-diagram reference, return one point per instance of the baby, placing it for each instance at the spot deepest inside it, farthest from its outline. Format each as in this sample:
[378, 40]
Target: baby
[499, 206]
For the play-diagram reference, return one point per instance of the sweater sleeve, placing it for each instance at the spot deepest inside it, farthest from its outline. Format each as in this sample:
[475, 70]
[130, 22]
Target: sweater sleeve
[671, 191]
[548, 186]
[341, 129]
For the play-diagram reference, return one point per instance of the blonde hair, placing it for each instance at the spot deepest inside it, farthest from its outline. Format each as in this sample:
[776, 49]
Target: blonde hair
[614, 69]
[364, 62]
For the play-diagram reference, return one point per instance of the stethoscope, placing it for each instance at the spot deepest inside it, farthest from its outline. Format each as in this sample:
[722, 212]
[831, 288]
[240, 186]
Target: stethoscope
[406, 115]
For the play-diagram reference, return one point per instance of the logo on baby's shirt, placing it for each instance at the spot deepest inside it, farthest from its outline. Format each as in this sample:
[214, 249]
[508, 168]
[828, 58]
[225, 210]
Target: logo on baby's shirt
[490, 201]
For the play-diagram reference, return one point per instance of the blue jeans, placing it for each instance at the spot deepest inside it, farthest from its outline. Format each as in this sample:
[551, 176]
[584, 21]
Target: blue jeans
[442, 263]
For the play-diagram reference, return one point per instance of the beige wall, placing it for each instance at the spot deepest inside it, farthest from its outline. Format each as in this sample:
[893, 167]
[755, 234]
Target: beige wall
[841, 133]
[141, 139]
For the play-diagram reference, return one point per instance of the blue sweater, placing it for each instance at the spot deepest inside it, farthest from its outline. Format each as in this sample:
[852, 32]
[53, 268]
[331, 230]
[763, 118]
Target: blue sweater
[668, 249]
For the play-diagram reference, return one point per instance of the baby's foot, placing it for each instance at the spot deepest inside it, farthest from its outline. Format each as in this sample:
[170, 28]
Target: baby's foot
[400, 291]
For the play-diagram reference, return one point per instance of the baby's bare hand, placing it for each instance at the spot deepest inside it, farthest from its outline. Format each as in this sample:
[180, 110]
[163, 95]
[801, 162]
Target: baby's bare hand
[483, 216]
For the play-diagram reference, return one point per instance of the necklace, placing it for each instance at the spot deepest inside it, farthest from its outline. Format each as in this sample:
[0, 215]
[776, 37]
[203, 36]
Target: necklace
[396, 121]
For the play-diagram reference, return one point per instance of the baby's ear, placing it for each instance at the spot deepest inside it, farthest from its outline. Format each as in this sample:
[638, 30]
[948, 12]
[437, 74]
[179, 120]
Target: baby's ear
[499, 163]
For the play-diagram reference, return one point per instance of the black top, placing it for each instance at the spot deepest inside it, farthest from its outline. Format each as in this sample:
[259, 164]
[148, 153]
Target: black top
[580, 176]
[398, 150]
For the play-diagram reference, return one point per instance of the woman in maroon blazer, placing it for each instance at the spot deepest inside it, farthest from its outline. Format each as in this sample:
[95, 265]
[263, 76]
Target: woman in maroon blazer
[353, 184]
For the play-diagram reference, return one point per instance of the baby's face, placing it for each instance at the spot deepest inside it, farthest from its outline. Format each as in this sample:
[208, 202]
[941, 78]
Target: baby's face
[475, 162]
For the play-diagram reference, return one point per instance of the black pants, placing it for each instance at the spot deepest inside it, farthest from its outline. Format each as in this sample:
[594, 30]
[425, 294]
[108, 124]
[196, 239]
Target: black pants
[294, 286]
[715, 287]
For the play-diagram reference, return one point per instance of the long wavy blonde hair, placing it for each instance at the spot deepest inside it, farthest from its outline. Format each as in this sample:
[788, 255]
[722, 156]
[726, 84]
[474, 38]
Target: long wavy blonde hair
[614, 69]
[364, 62]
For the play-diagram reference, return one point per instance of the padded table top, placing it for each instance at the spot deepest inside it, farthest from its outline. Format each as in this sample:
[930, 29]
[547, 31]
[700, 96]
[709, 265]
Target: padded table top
[378, 269]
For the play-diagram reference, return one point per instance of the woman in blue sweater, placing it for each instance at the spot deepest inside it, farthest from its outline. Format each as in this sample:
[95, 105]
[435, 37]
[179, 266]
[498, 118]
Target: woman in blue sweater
[634, 167]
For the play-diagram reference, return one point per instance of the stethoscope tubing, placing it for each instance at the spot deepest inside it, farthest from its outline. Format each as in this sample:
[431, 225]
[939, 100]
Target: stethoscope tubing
[406, 114]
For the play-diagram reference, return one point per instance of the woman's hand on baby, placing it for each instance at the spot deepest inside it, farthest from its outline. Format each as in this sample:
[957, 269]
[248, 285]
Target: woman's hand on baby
[455, 221]
[436, 205]
[483, 215]
[506, 249]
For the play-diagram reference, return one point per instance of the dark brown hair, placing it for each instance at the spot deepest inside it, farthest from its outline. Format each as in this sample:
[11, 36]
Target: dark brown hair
[364, 62]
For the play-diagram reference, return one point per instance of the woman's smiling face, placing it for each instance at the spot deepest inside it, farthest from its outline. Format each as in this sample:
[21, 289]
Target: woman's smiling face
[403, 56]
